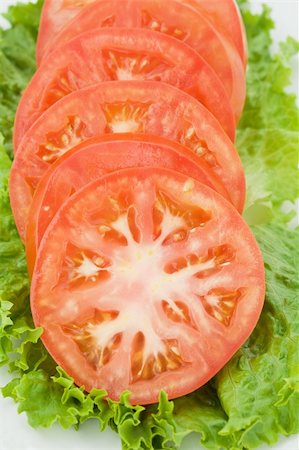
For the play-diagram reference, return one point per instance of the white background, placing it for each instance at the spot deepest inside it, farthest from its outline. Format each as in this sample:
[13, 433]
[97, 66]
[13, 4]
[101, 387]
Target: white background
[15, 433]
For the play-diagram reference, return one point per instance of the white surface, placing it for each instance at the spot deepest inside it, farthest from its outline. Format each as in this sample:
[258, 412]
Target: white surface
[15, 433]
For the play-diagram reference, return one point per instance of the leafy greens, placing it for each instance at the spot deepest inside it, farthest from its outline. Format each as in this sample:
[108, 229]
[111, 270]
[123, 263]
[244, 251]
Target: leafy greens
[254, 398]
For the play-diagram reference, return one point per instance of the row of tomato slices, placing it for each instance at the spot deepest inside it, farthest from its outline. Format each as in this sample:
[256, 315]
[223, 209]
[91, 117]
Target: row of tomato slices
[127, 190]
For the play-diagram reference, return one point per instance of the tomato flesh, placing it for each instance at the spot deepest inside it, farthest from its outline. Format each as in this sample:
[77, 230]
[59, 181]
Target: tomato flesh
[142, 107]
[96, 157]
[127, 54]
[107, 327]
[180, 21]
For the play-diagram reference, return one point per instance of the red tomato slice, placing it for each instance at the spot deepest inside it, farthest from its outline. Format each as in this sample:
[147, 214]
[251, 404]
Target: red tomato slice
[148, 107]
[111, 54]
[224, 15]
[146, 280]
[96, 157]
[178, 20]
[226, 18]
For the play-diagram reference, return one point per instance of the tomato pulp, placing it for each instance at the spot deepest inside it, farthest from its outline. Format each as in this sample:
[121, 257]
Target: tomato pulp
[96, 157]
[186, 24]
[224, 15]
[146, 280]
[140, 107]
[122, 54]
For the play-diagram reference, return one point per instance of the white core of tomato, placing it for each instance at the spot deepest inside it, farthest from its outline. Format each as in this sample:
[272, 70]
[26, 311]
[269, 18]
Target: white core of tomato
[137, 274]
[87, 268]
[124, 126]
[125, 74]
[134, 318]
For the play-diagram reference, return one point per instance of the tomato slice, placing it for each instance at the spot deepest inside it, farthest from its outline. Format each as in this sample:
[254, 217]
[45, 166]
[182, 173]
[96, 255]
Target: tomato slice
[140, 107]
[178, 20]
[146, 280]
[226, 18]
[111, 54]
[99, 156]
[224, 15]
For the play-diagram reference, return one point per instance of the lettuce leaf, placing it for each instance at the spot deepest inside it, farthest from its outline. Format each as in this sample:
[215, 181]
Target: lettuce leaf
[47, 400]
[19, 339]
[254, 398]
[17, 62]
[259, 387]
[268, 133]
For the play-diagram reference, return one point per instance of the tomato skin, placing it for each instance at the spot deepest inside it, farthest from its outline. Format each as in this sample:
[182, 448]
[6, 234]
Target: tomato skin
[185, 23]
[153, 107]
[86, 61]
[93, 159]
[54, 16]
[215, 344]
[226, 18]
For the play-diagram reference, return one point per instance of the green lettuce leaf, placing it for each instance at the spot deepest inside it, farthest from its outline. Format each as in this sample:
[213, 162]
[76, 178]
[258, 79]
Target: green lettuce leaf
[268, 133]
[254, 398]
[17, 62]
[259, 387]
[201, 412]
[13, 275]
[47, 400]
